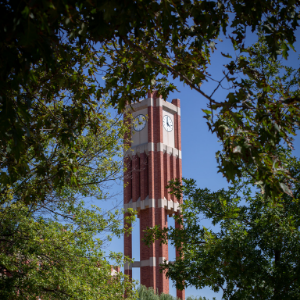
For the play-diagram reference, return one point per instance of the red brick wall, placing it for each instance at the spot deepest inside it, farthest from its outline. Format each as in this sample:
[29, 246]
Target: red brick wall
[127, 246]
[148, 274]
[149, 176]
[144, 176]
[180, 294]
[127, 179]
[135, 178]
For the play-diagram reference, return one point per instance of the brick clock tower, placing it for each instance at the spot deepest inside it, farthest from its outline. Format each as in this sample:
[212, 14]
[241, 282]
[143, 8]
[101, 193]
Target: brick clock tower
[153, 160]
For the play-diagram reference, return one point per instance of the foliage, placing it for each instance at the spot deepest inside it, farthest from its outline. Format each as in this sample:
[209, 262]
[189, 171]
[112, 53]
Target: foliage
[137, 49]
[198, 298]
[51, 242]
[46, 259]
[266, 116]
[180, 42]
[253, 249]
[149, 294]
[61, 135]
[58, 146]
[251, 252]
[51, 52]
[145, 293]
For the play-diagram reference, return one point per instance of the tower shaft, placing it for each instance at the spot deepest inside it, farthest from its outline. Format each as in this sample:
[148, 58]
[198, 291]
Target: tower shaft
[153, 160]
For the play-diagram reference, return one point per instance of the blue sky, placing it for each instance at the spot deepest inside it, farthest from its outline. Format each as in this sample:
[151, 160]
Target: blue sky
[198, 150]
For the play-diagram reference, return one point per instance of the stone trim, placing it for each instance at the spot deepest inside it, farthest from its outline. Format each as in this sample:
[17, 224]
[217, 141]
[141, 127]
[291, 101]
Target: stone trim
[151, 262]
[147, 147]
[150, 146]
[167, 106]
[140, 105]
[150, 102]
[140, 204]
[136, 264]
[137, 150]
[169, 205]
[179, 111]
[128, 266]
[162, 260]
[170, 150]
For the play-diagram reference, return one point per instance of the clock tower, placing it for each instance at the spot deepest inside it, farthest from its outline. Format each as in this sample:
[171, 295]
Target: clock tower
[153, 159]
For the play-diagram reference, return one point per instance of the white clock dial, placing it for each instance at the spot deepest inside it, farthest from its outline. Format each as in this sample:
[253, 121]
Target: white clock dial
[139, 122]
[168, 124]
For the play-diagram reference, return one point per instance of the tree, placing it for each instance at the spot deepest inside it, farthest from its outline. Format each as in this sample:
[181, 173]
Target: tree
[46, 259]
[51, 52]
[51, 241]
[149, 294]
[58, 146]
[252, 97]
[137, 49]
[253, 249]
[145, 293]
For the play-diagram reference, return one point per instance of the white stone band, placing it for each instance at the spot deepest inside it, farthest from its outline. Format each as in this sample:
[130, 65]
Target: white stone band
[147, 147]
[140, 204]
[128, 266]
[170, 150]
[150, 101]
[167, 106]
[137, 150]
[169, 205]
[162, 260]
[151, 262]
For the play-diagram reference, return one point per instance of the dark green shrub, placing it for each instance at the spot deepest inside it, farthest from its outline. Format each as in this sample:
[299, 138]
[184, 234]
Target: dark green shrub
[198, 298]
[149, 294]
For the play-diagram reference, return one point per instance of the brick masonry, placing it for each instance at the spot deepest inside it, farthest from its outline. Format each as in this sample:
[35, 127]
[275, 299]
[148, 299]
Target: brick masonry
[145, 178]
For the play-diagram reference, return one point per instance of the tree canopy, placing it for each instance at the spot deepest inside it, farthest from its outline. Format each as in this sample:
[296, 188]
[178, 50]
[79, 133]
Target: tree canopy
[150, 294]
[51, 238]
[139, 46]
[252, 249]
[43, 257]
[52, 132]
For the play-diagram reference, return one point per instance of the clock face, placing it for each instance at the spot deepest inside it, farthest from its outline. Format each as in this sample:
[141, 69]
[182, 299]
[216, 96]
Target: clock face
[139, 122]
[168, 124]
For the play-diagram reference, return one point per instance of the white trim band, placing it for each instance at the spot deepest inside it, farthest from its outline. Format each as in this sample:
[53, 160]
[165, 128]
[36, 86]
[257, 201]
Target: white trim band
[179, 111]
[147, 147]
[140, 105]
[137, 150]
[169, 205]
[140, 204]
[170, 150]
[150, 102]
[127, 266]
[167, 106]
[151, 262]
[162, 260]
